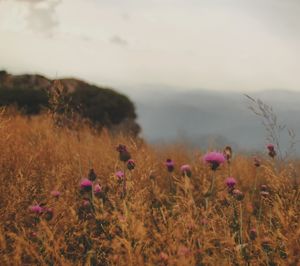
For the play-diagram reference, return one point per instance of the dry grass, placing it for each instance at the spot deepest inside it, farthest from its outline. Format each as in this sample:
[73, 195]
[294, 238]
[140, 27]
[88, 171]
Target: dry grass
[152, 225]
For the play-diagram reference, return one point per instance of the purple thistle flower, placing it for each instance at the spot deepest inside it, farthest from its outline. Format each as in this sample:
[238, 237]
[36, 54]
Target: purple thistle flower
[92, 175]
[253, 234]
[163, 256]
[124, 155]
[32, 234]
[48, 213]
[37, 209]
[120, 175]
[55, 193]
[230, 182]
[183, 251]
[271, 149]
[214, 159]
[86, 203]
[239, 195]
[130, 164]
[186, 170]
[170, 165]
[97, 189]
[86, 185]
[263, 188]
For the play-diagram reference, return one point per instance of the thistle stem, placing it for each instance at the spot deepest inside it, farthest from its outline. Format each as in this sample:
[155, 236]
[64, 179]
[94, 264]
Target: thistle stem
[124, 182]
[241, 223]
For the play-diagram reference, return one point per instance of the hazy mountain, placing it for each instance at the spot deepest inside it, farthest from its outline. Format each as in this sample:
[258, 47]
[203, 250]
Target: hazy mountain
[205, 118]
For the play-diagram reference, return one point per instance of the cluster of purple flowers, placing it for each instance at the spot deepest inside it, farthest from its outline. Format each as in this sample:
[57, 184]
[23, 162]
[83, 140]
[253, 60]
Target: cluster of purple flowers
[125, 157]
[232, 190]
[39, 211]
[87, 186]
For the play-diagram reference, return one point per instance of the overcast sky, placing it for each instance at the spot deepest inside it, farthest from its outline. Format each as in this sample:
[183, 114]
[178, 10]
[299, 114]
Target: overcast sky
[211, 44]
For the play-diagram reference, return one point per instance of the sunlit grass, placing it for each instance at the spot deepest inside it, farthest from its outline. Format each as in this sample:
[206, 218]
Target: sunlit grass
[164, 218]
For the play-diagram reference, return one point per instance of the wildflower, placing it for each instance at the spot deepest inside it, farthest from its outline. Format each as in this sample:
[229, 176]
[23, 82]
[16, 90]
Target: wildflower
[130, 164]
[163, 256]
[48, 214]
[33, 235]
[122, 218]
[124, 155]
[183, 251]
[263, 188]
[186, 170]
[86, 185]
[227, 153]
[120, 175]
[271, 149]
[86, 203]
[170, 165]
[97, 190]
[230, 182]
[92, 175]
[37, 209]
[239, 195]
[256, 162]
[55, 193]
[214, 159]
[253, 234]
[204, 221]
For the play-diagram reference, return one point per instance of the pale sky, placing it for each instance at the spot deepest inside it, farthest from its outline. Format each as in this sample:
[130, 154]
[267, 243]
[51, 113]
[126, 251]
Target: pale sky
[210, 44]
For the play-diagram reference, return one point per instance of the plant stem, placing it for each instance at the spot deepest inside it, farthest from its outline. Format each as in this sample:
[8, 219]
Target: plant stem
[211, 188]
[260, 211]
[124, 182]
[241, 223]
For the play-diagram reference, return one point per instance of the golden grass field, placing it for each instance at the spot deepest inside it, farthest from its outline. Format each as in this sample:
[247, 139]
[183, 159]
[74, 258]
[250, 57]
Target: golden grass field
[164, 219]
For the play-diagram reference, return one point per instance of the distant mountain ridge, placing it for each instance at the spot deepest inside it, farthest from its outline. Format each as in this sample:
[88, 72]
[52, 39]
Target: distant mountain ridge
[204, 118]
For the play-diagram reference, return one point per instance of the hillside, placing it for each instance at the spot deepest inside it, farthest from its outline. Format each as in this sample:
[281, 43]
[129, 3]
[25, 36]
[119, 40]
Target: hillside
[102, 106]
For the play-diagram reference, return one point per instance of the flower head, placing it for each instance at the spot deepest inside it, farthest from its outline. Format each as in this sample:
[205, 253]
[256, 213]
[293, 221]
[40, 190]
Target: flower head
[48, 213]
[124, 155]
[92, 175]
[263, 188]
[253, 234]
[214, 159]
[86, 203]
[271, 149]
[227, 153]
[97, 189]
[183, 251]
[55, 193]
[86, 185]
[230, 182]
[163, 256]
[186, 170]
[130, 164]
[37, 209]
[170, 165]
[120, 175]
[239, 195]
